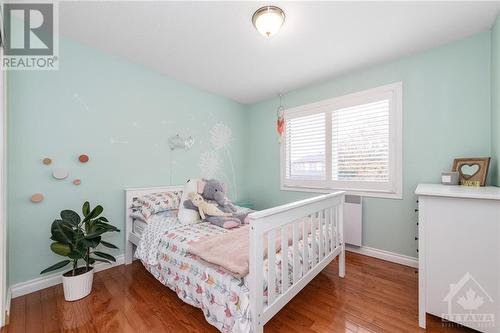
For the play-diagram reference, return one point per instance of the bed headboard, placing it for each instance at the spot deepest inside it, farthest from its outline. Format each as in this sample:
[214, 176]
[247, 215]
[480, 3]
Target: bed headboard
[130, 194]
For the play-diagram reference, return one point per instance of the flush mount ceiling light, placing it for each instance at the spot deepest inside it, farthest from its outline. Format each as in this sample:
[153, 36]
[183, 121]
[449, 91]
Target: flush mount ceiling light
[268, 20]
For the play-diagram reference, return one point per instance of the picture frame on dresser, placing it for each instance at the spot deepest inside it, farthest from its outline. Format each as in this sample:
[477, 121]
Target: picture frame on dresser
[472, 171]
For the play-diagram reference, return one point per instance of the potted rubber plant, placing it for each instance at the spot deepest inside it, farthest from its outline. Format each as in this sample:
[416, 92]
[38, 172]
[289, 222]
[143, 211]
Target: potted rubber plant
[77, 239]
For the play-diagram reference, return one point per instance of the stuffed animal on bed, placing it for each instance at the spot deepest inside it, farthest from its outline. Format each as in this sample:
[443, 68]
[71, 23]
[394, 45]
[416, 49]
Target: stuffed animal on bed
[205, 208]
[211, 213]
[213, 189]
[188, 213]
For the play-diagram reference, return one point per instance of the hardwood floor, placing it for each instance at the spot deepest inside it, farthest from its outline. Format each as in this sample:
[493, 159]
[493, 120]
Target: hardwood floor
[375, 296]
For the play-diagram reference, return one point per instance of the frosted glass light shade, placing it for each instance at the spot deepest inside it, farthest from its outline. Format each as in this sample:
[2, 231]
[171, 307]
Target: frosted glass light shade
[268, 20]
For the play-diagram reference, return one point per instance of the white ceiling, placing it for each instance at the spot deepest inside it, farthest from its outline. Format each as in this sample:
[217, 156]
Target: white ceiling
[213, 45]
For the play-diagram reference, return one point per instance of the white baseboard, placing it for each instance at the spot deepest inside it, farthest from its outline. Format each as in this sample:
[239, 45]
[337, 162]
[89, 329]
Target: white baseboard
[23, 288]
[43, 282]
[384, 255]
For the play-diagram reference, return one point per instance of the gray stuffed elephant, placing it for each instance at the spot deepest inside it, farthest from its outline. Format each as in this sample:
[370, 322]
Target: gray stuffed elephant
[213, 189]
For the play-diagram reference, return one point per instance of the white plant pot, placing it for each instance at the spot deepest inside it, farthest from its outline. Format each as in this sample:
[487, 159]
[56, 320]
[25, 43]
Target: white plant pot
[79, 286]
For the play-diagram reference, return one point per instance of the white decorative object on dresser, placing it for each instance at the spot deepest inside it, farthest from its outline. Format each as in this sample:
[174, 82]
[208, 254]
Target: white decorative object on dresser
[459, 255]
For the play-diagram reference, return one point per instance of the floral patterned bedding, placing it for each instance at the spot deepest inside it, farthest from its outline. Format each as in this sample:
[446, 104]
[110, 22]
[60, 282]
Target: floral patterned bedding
[223, 298]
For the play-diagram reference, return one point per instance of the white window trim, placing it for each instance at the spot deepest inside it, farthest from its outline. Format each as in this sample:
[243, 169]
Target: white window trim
[395, 148]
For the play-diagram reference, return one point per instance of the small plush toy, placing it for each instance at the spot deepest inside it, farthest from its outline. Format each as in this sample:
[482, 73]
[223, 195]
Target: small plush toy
[188, 213]
[206, 208]
[214, 191]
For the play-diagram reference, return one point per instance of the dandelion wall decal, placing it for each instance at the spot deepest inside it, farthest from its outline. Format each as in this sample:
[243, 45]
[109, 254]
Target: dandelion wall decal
[209, 164]
[221, 136]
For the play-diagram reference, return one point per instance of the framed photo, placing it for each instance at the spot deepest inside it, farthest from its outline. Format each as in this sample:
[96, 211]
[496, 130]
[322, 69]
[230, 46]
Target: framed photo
[472, 171]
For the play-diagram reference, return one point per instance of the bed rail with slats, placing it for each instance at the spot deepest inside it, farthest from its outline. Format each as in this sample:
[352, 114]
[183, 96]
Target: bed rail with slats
[312, 231]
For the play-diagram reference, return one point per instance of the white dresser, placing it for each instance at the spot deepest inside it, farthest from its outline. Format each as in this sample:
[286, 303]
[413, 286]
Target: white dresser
[459, 255]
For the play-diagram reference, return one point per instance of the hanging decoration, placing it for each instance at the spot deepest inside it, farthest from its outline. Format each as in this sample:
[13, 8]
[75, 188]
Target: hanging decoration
[280, 122]
[180, 142]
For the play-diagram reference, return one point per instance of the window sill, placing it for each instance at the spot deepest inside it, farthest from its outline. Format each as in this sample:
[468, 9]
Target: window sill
[362, 193]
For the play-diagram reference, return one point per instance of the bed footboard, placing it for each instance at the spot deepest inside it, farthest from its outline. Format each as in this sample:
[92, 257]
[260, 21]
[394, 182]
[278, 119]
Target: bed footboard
[317, 224]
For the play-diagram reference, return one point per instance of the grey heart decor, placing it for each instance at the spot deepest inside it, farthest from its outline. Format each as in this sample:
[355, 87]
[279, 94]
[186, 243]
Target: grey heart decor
[469, 170]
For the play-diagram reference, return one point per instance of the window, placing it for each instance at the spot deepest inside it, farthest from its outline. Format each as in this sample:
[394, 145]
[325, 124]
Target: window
[351, 143]
[306, 147]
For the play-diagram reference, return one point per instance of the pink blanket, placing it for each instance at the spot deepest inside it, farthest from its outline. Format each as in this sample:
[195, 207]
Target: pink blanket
[230, 250]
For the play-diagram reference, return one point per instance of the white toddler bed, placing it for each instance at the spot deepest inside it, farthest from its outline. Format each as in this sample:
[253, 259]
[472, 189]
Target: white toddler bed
[229, 303]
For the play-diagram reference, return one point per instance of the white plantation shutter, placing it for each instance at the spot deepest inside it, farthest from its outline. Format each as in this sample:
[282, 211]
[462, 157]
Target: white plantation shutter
[360, 142]
[305, 142]
[350, 143]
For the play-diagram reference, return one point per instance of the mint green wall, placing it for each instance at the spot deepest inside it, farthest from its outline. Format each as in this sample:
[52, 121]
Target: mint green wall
[495, 101]
[95, 98]
[446, 105]
[114, 100]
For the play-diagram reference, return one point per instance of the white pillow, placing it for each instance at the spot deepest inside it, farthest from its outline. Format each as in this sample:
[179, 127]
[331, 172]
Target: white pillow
[188, 216]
